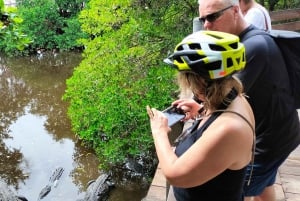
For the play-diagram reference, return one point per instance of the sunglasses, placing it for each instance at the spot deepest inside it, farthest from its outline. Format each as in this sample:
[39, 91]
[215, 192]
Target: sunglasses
[213, 16]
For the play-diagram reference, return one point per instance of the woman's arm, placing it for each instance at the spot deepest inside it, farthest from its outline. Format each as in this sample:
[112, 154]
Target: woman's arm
[209, 156]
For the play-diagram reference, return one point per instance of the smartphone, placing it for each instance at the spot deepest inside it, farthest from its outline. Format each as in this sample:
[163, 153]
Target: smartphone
[174, 115]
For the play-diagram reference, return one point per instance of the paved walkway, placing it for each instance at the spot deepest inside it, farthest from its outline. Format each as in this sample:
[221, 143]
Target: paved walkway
[288, 178]
[287, 185]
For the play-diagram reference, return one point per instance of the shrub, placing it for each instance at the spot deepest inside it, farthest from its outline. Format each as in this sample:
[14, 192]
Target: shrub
[13, 40]
[121, 73]
[52, 24]
[108, 110]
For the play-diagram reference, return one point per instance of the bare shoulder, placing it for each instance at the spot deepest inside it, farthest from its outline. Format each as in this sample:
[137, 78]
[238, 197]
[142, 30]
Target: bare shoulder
[230, 138]
[231, 123]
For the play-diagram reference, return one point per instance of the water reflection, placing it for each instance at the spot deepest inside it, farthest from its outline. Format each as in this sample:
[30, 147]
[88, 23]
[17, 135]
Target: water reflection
[9, 162]
[35, 132]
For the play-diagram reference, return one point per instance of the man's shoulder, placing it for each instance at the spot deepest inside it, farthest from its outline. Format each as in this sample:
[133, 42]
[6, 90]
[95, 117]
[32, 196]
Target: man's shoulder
[256, 40]
[261, 41]
[250, 32]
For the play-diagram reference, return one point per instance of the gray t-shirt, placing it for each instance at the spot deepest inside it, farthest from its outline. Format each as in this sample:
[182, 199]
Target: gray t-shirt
[259, 17]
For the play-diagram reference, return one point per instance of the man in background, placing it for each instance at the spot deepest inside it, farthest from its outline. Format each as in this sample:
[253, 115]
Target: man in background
[277, 123]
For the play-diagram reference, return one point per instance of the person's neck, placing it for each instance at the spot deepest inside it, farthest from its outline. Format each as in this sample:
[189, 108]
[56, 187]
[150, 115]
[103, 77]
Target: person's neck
[251, 4]
[242, 25]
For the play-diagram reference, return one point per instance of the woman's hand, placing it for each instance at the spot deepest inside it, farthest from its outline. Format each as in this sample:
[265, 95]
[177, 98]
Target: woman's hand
[158, 121]
[189, 106]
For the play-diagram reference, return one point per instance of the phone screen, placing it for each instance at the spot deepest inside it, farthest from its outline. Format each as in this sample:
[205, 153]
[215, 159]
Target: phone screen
[174, 115]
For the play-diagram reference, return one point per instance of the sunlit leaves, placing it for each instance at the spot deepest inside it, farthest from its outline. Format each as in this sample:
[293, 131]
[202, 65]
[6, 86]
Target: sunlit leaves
[104, 16]
[13, 40]
[52, 24]
[121, 73]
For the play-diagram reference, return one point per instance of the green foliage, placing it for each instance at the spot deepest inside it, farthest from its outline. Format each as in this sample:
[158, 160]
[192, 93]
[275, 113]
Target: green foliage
[285, 4]
[1, 6]
[122, 72]
[41, 22]
[52, 24]
[70, 8]
[280, 4]
[13, 40]
[71, 35]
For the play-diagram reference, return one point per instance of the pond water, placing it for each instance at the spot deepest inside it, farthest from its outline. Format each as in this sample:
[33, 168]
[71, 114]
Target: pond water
[35, 132]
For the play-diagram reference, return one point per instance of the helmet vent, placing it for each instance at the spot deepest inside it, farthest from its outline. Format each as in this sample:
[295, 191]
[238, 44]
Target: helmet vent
[234, 45]
[195, 57]
[238, 60]
[230, 62]
[180, 48]
[215, 36]
[178, 59]
[195, 46]
[214, 65]
[215, 47]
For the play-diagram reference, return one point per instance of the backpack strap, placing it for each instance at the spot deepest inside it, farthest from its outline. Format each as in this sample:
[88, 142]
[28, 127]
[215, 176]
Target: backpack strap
[254, 32]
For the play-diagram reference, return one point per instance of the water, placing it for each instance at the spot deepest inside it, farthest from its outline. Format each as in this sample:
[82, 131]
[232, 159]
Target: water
[35, 132]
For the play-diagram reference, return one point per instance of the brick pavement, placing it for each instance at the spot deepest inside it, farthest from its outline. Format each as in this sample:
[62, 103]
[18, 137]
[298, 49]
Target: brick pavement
[288, 178]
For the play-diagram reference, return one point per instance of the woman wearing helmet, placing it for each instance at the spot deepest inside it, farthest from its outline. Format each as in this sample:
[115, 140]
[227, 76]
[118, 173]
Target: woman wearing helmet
[210, 159]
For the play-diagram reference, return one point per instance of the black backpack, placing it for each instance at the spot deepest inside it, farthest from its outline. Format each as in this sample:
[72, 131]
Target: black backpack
[289, 44]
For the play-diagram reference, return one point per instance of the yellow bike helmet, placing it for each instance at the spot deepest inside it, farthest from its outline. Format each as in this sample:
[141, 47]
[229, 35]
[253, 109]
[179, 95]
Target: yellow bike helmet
[211, 54]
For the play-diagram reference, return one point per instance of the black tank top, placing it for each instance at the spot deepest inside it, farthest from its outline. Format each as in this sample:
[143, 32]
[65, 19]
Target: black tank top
[227, 186]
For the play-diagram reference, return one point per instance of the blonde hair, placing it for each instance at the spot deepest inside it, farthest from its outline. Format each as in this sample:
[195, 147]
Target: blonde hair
[214, 91]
